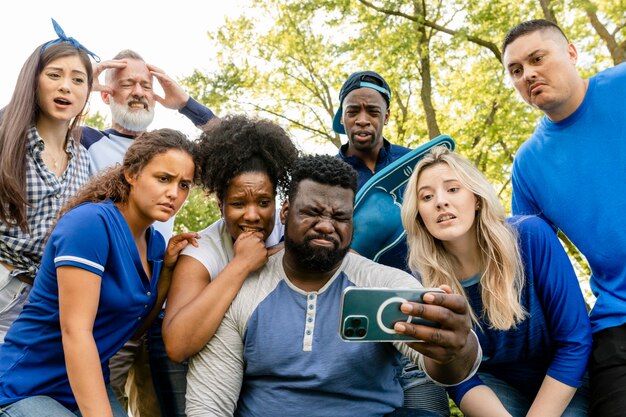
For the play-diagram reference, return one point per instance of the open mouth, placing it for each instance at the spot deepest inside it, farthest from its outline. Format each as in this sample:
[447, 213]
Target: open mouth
[137, 105]
[62, 101]
[362, 135]
[445, 217]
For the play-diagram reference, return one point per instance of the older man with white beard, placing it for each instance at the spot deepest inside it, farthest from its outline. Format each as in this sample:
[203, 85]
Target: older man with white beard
[130, 95]
[128, 90]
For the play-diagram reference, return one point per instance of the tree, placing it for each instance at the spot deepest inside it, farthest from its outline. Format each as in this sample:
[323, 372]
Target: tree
[286, 60]
[198, 212]
[96, 120]
[281, 72]
[608, 20]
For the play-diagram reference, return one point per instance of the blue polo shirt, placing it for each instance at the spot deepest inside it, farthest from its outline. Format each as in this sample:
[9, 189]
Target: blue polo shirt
[96, 238]
[387, 154]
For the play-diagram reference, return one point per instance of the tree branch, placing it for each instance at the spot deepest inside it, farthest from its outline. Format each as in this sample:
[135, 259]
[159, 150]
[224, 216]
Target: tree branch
[474, 39]
[618, 53]
[332, 139]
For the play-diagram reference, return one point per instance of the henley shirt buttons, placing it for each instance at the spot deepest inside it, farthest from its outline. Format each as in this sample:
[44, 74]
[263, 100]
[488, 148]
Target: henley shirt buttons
[148, 293]
[146, 306]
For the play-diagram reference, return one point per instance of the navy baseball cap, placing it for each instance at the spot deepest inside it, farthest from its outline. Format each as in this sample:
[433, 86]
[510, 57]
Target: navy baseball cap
[368, 79]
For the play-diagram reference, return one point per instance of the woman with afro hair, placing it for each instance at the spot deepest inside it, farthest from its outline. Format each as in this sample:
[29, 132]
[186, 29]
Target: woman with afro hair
[246, 164]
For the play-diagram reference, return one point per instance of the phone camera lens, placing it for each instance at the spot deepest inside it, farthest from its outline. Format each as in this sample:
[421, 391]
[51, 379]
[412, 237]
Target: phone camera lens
[360, 332]
[349, 332]
[356, 322]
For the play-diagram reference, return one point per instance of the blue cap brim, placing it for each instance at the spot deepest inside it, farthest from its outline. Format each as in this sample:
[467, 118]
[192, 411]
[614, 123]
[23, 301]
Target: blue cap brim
[337, 126]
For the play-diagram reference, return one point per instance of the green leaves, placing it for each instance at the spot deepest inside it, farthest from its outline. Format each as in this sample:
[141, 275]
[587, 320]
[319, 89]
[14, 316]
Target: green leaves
[286, 60]
[198, 212]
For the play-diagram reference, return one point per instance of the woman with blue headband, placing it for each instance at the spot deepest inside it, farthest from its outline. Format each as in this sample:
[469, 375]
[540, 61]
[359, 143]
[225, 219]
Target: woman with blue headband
[42, 160]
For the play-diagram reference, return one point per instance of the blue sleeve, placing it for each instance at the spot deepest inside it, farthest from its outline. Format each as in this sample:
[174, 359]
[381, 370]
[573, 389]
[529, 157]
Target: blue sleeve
[81, 239]
[521, 201]
[196, 112]
[457, 392]
[89, 136]
[558, 290]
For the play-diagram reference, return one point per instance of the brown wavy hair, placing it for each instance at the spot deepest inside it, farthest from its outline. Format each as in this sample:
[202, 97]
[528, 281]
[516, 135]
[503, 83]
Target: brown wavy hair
[111, 183]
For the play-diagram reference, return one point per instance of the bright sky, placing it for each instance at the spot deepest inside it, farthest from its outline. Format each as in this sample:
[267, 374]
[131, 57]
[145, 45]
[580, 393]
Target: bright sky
[171, 35]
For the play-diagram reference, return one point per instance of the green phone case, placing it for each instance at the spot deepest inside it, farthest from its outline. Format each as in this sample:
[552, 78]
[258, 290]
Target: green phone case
[368, 314]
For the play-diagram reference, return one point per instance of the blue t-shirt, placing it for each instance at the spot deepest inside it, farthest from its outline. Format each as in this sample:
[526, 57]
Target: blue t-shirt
[96, 238]
[555, 337]
[573, 174]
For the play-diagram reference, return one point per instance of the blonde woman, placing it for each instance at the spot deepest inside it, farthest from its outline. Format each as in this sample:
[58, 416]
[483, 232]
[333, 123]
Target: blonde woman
[527, 306]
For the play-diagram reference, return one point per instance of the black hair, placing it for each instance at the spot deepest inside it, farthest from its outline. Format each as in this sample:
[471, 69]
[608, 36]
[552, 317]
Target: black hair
[238, 144]
[527, 27]
[323, 169]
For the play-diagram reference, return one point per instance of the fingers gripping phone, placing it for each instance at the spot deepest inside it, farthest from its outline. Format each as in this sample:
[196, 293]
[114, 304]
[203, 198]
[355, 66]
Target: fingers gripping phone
[368, 314]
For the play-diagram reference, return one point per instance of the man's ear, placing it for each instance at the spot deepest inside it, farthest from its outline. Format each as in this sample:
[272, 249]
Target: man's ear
[220, 206]
[573, 53]
[283, 211]
[105, 97]
[387, 113]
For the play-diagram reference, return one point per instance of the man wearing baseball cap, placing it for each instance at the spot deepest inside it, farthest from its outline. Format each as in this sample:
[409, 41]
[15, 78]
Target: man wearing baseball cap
[363, 112]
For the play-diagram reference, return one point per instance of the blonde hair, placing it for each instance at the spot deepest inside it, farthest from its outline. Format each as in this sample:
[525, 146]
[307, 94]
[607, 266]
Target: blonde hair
[503, 276]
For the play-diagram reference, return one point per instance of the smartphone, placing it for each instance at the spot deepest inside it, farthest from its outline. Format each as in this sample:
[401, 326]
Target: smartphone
[368, 314]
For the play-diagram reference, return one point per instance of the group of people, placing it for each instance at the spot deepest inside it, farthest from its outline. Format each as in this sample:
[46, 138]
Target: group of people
[103, 309]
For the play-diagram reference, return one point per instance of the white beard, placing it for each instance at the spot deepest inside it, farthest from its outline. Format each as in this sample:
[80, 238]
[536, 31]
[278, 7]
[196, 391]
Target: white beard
[133, 120]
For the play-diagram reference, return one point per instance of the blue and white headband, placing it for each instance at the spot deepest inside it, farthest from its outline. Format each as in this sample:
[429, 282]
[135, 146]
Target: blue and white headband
[70, 40]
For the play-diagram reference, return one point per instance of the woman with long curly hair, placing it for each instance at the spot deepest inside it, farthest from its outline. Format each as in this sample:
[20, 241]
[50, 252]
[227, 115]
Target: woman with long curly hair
[527, 306]
[103, 278]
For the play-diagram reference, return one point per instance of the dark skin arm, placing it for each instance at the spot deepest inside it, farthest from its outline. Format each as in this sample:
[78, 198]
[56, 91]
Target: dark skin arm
[450, 351]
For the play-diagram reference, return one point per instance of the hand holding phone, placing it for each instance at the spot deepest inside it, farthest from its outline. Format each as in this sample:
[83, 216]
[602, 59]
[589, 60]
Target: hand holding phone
[369, 314]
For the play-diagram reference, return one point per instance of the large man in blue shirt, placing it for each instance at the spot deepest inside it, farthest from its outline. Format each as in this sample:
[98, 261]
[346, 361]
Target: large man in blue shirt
[572, 173]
